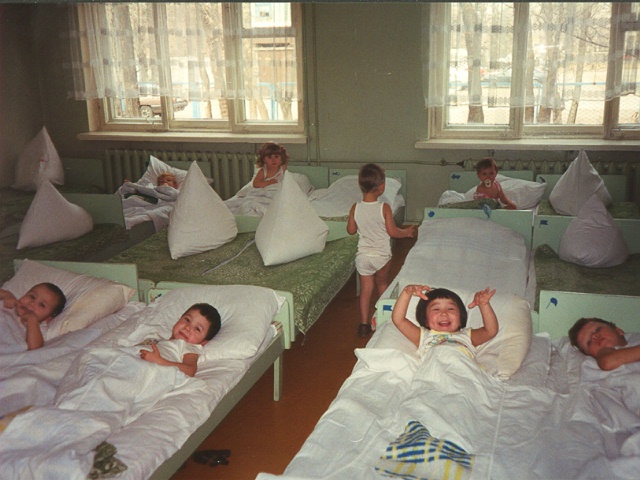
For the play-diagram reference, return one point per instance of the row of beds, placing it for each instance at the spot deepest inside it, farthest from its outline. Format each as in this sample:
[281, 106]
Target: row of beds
[366, 391]
[523, 412]
[140, 258]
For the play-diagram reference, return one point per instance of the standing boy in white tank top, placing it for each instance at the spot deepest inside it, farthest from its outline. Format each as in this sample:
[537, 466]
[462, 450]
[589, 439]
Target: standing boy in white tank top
[373, 221]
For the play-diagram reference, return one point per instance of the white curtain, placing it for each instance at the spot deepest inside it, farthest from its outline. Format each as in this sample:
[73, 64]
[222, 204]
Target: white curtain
[197, 51]
[470, 57]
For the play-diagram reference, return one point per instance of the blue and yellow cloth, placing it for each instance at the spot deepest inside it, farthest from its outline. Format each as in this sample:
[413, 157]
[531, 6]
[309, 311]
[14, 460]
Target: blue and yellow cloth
[415, 454]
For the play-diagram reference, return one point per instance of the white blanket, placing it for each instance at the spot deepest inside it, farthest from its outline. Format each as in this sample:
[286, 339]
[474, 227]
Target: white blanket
[137, 210]
[251, 201]
[515, 430]
[104, 389]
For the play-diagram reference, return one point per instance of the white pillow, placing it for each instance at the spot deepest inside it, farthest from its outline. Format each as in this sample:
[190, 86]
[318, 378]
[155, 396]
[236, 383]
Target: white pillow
[200, 221]
[525, 194]
[576, 186]
[593, 239]
[52, 218]
[303, 182]
[38, 161]
[502, 355]
[156, 168]
[246, 313]
[290, 228]
[88, 298]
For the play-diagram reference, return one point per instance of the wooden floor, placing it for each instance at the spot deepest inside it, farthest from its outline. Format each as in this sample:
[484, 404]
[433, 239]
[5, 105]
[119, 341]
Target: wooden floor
[264, 435]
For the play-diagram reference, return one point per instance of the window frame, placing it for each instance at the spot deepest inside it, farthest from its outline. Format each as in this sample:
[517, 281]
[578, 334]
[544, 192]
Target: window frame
[101, 120]
[437, 46]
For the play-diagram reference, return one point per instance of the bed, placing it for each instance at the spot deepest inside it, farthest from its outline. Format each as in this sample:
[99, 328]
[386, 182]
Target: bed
[312, 281]
[518, 185]
[552, 273]
[99, 298]
[107, 237]
[331, 191]
[518, 411]
[542, 423]
[616, 185]
[253, 337]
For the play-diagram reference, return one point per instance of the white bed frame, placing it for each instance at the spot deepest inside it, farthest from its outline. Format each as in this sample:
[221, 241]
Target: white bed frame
[272, 355]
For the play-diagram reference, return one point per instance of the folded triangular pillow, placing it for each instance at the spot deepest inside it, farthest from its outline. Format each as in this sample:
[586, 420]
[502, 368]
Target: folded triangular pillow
[39, 161]
[290, 228]
[576, 186]
[200, 221]
[593, 239]
[52, 218]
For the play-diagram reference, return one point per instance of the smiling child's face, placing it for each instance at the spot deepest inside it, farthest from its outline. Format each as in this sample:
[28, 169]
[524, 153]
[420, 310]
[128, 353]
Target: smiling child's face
[192, 328]
[443, 315]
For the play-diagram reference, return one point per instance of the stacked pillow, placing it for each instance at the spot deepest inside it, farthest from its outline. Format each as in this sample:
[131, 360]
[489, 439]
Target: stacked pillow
[593, 239]
[200, 221]
[38, 162]
[290, 228]
[52, 218]
[576, 186]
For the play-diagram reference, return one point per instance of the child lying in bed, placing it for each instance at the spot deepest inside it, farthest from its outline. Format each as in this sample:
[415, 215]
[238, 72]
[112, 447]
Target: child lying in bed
[167, 189]
[104, 389]
[603, 341]
[442, 317]
[40, 304]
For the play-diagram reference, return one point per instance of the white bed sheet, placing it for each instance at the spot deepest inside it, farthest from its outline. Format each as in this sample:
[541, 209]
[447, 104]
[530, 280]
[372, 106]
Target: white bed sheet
[137, 211]
[14, 353]
[521, 429]
[166, 425]
[467, 254]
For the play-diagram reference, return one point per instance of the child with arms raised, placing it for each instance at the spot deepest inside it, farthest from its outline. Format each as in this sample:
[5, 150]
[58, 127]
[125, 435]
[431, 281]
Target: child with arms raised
[40, 304]
[443, 319]
[272, 163]
[373, 221]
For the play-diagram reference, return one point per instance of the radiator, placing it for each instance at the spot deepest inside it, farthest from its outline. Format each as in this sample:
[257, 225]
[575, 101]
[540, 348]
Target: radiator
[230, 171]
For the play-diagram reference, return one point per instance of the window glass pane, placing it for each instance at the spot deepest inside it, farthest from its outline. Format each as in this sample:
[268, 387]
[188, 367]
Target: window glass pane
[567, 62]
[630, 99]
[197, 51]
[269, 69]
[480, 63]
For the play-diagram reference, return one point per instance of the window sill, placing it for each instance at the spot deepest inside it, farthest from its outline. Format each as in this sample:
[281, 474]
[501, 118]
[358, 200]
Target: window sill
[193, 137]
[529, 144]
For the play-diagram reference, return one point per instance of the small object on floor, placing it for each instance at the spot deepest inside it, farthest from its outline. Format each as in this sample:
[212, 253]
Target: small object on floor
[364, 330]
[212, 457]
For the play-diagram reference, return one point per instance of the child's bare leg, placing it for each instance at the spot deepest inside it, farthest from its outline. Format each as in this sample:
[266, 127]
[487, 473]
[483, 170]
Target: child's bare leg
[382, 278]
[367, 283]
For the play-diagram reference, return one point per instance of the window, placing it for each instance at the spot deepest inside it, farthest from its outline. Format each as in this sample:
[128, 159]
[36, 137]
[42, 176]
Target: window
[525, 70]
[230, 67]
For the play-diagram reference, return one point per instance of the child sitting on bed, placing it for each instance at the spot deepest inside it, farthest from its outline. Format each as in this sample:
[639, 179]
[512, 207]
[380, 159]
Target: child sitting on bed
[443, 319]
[489, 187]
[272, 163]
[603, 341]
[373, 221]
[40, 304]
[199, 324]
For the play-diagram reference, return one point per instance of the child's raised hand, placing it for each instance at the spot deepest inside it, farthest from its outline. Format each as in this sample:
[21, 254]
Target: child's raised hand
[10, 301]
[482, 298]
[151, 356]
[417, 290]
